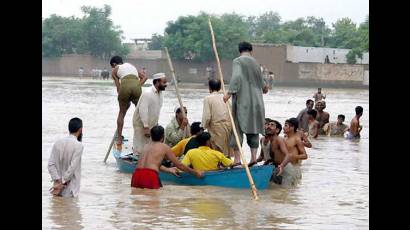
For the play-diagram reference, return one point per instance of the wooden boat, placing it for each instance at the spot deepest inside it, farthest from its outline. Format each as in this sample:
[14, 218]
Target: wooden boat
[232, 178]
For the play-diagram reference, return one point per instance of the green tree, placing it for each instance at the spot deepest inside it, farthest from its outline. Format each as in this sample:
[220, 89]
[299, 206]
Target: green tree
[94, 34]
[344, 34]
[189, 36]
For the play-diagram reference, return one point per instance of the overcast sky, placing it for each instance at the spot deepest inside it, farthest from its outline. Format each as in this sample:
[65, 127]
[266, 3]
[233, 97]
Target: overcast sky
[142, 18]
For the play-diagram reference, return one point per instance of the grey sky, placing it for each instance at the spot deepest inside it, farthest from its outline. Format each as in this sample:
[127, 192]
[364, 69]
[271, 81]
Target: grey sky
[142, 18]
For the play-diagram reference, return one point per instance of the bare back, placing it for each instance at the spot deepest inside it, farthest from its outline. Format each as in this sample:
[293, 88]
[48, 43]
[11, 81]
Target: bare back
[354, 126]
[152, 155]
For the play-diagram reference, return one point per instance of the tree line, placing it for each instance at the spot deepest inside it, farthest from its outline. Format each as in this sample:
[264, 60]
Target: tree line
[188, 37]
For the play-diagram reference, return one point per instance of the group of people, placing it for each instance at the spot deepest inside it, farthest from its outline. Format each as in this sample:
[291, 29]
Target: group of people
[315, 121]
[95, 73]
[204, 145]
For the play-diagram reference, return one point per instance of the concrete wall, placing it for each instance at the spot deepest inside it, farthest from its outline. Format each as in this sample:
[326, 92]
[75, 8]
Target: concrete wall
[186, 71]
[300, 54]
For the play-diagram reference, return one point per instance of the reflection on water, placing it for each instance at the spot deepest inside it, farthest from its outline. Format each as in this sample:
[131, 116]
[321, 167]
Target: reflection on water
[333, 193]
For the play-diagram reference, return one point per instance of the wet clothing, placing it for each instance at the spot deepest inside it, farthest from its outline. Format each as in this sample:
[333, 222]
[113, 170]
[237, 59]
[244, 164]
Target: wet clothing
[173, 133]
[127, 69]
[145, 178]
[192, 144]
[179, 148]
[205, 159]
[130, 90]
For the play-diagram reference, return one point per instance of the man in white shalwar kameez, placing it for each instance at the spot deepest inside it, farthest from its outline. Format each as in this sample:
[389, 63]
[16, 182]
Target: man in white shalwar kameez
[64, 164]
[147, 111]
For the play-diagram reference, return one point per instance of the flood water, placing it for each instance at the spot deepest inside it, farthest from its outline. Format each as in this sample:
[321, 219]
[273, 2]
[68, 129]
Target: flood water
[333, 193]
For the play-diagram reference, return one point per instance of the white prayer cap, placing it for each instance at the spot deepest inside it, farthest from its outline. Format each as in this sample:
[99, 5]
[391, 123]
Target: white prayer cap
[158, 76]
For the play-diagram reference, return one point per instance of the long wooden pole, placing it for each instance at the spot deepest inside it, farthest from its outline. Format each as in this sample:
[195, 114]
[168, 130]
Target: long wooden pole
[248, 173]
[109, 148]
[175, 81]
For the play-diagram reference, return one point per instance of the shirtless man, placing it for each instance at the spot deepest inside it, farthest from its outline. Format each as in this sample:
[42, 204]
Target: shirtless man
[265, 154]
[336, 128]
[313, 124]
[355, 127]
[322, 116]
[296, 151]
[149, 163]
[319, 96]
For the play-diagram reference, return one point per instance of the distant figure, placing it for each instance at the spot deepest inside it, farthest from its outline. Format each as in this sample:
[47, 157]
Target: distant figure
[146, 114]
[215, 118]
[355, 127]
[128, 81]
[271, 78]
[319, 96]
[178, 127]
[81, 72]
[303, 118]
[322, 116]
[204, 158]
[105, 74]
[248, 110]
[210, 72]
[149, 163]
[327, 61]
[64, 164]
[336, 128]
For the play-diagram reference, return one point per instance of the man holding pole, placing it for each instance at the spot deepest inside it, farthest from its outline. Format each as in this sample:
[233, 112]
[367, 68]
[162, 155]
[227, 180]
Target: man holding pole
[146, 114]
[248, 110]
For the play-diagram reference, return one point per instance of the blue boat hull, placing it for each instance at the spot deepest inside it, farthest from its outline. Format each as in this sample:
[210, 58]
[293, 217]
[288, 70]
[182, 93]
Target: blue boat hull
[232, 178]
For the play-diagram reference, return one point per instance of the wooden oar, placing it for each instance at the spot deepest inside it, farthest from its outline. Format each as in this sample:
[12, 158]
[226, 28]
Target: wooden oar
[109, 148]
[248, 173]
[176, 82]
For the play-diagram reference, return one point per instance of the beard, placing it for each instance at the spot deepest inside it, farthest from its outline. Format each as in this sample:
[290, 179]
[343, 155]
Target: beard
[80, 137]
[162, 87]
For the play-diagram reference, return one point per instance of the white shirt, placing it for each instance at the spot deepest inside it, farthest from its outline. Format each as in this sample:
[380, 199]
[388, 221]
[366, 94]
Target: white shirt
[126, 69]
[146, 114]
[65, 164]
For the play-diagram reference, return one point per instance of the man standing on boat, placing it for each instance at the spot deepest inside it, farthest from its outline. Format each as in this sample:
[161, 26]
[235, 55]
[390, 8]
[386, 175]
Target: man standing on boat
[64, 164]
[149, 163]
[147, 111]
[215, 118]
[128, 81]
[248, 110]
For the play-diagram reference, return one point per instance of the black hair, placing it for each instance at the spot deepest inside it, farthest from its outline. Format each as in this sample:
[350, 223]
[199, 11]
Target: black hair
[245, 47]
[308, 101]
[75, 124]
[359, 110]
[155, 81]
[179, 110]
[116, 59]
[278, 125]
[268, 120]
[202, 138]
[312, 112]
[293, 122]
[196, 127]
[341, 116]
[214, 84]
[157, 132]
[270, 72]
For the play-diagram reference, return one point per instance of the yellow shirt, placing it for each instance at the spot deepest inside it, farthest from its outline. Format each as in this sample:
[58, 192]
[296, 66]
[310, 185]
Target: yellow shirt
[179, 148]
[205, 159]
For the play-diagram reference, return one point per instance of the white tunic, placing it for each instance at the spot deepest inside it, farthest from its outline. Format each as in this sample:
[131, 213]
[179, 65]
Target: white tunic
[65, 164]
[126, 69]
[146, 115]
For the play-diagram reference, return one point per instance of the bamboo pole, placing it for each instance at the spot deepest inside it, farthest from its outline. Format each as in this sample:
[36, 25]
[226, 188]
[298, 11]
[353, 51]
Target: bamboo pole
[176, 82]
[109, 148]
[248, 173]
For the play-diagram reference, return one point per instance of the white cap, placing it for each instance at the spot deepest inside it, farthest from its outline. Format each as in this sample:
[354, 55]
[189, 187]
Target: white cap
[158, 76]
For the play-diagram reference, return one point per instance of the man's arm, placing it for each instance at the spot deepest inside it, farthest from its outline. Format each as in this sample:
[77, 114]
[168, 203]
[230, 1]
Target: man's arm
[116, 78]
[143, 112]
[142, 77]
[315, 130]
[181, 166]
[74, 164]
[172, 170]
[206, 114]
[301, 149]
[52, 169]
[224, 160]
